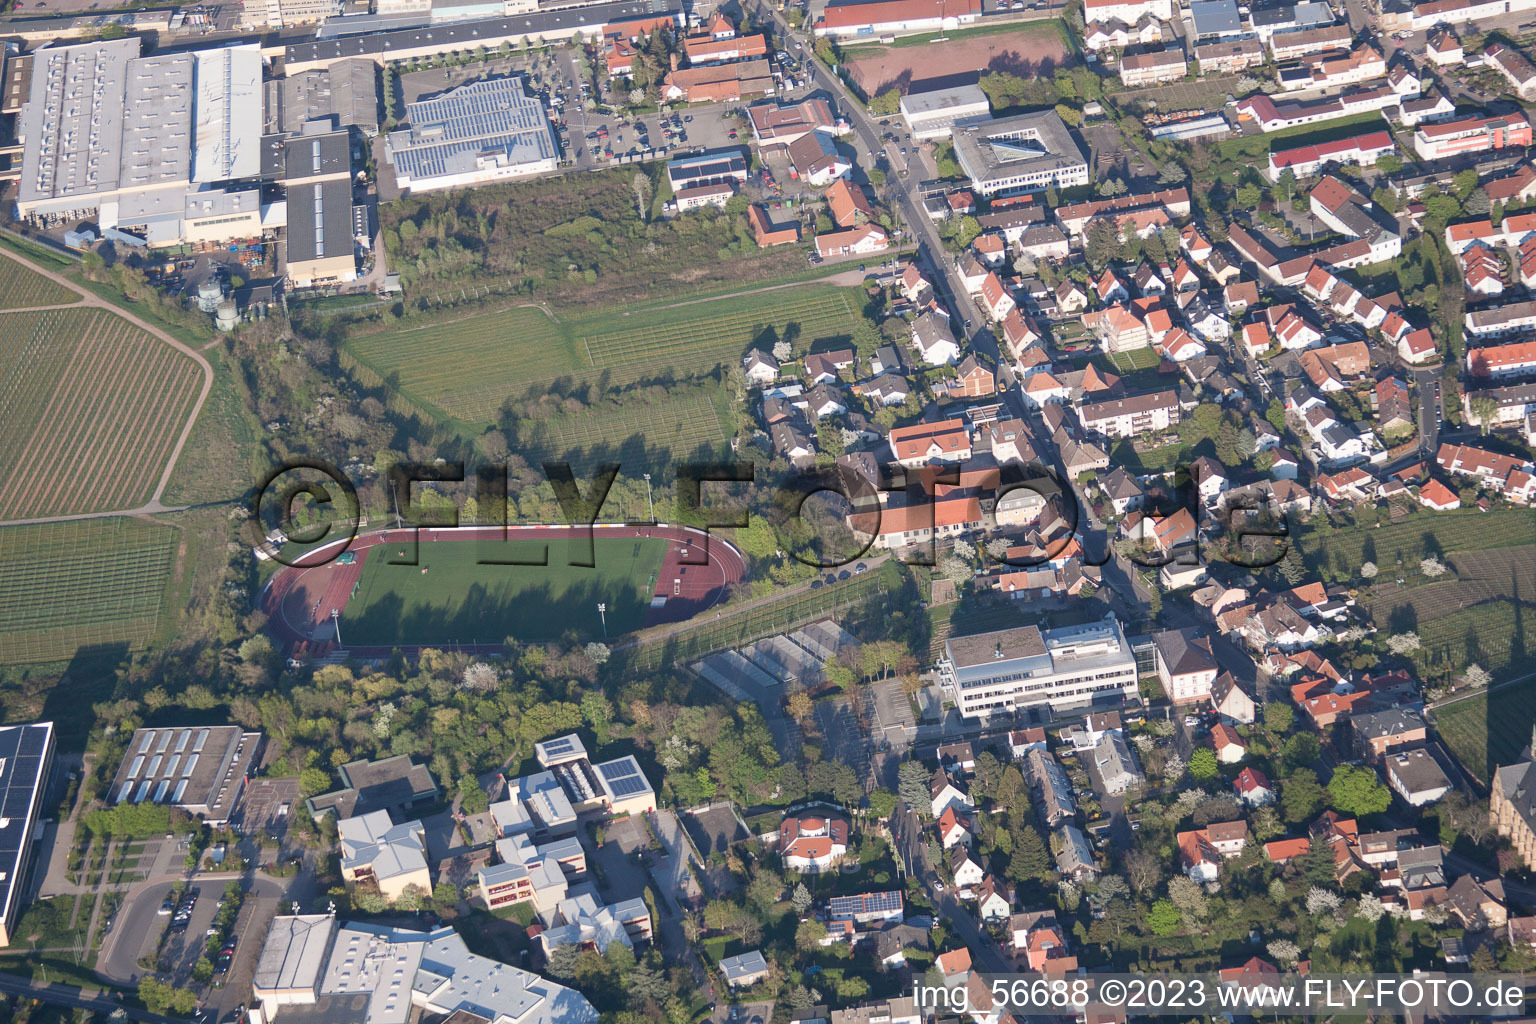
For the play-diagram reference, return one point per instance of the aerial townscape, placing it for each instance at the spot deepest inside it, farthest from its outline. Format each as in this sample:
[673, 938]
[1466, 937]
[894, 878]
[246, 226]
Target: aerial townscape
[779, 511]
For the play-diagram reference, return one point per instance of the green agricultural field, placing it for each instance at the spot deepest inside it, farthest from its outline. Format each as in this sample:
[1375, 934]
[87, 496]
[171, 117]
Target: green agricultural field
[90, 408]
[1488, 730]
[20, 288]
[449, 598]
[94, 582]
[1341, 552]
[632, 433]
[465, 369]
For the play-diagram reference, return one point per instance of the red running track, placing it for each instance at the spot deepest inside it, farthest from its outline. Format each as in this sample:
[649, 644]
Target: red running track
[695, 574]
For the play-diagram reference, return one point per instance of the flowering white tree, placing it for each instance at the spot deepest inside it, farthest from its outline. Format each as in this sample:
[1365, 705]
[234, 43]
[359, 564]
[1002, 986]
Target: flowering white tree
[479, 676]
[1173, 769]
[597, 651]
[1368, 571]
[1285, 951]
[1403, 643]
[1320, 901]
[1432, 567]
[1476, 676]
[782, 350]
[1369, 908]
[1277, 891]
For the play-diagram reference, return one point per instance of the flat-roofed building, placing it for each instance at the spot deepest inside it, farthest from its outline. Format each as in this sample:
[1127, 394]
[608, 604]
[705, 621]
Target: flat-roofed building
[199, 769]
[477, 133]
[1023, 153]
[711, 167]
[390, 784]
[227, 125]
[380, 975]
[131, 139]
[26, 766]
[995, 673]
[321, 249]
[934, 114]
[71, 126]
[292, 961]
[346, 94]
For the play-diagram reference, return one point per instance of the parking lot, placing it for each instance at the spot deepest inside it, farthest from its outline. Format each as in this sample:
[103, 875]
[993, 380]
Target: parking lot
[267, 806]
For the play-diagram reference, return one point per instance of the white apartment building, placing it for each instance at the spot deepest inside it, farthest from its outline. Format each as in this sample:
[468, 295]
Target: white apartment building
[995, 673]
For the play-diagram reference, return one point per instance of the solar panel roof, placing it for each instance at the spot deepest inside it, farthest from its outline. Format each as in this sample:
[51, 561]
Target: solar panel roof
[24, 753]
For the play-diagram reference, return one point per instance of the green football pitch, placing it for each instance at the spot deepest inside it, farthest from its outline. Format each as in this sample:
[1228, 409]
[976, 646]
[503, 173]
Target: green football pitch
[457, 600]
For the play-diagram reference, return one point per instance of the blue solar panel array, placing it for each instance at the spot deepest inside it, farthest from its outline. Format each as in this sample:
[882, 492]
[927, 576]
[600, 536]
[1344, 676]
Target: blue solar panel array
[624, 778]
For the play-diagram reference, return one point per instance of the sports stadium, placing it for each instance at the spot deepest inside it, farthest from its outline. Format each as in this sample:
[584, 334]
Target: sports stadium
[474, 588]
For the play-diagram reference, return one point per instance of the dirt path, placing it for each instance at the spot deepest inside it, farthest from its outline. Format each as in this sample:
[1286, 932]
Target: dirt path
[88, 298]
[847, 278]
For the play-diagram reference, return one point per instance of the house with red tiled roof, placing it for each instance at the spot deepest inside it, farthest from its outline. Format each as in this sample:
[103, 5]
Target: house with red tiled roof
[766, 232]
[1256, 973]
[953, 827]
[1230, 747]
[813, 840]
[991, 248]
[848, 203]
[1439, 497]
[1283, 851]
[995, 298]
[924, 443]
[1253, 788]
[954, 966]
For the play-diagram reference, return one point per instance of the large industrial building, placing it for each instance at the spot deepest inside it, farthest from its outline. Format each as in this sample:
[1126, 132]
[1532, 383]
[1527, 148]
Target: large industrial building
[344, 95]
[430, 38]
[480, 132]
[142, 141]
[26, 763]
[995, 673]
[1024, 153]
[314, 970]
[199, 769]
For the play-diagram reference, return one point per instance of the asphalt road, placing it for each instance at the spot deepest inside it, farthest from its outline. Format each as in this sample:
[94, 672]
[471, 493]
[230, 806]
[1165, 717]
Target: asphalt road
[69, 995]
[1431, 408]
[905, 191]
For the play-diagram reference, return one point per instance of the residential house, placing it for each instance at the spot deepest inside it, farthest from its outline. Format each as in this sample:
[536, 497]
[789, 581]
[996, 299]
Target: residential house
[945, 793]
[1253, 788]
[1075, 858]
[953, 828]
[994, 900]
[813, 840]
[1477, 905]
[1022, 741]
[1232, 701]
[744, 969]
[858, 241]
[933, 339]
[848, 204]
[1186, 665]
[761, 368]
[957, 758]
[1117, 766]
[923, 444]
[964, 869]
[1229, 746]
